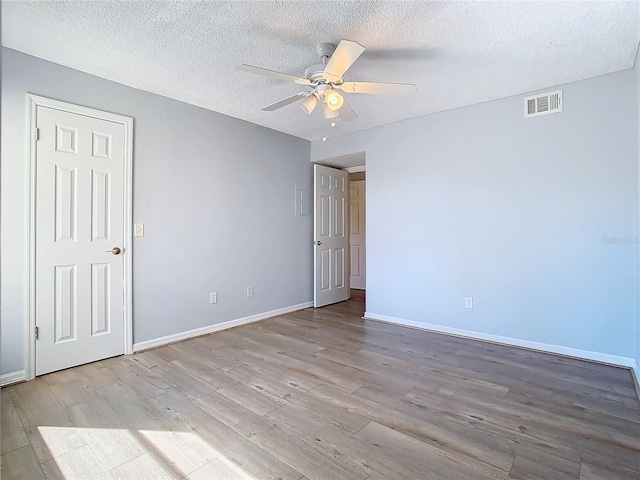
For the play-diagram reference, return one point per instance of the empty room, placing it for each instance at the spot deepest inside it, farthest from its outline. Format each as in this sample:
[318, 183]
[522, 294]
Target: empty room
[320, 240]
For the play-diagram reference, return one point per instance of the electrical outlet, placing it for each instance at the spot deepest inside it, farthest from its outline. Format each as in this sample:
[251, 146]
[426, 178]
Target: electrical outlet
[249, 292]
[213, 297]
[139, 230]
[468, 302]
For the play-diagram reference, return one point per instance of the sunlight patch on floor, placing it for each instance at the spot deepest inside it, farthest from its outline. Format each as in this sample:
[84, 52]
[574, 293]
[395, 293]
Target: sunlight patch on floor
[108, 453]
[190, 454]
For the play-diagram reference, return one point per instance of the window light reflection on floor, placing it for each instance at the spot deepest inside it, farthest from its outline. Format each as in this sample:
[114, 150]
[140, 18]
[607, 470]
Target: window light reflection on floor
[109, 453]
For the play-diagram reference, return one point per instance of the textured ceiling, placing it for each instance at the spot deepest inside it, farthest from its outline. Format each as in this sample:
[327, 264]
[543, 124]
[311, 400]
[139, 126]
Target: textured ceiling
[457, 53]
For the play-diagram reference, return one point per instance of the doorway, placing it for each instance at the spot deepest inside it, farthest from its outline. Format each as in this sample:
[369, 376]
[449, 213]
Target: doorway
[351, 168]
[80, 238]
[357, 230]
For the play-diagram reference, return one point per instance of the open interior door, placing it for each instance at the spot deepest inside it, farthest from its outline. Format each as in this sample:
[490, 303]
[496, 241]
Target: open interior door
[331, 246]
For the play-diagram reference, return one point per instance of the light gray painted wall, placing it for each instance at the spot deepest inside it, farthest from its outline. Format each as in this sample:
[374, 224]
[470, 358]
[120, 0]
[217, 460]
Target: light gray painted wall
[513, 212]
[636, 73]
[216, 195]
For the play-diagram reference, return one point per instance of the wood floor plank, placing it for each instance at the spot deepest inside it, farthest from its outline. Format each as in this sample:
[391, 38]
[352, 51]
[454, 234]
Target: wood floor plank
[249, 398]
[135, 411]
[430, 461]
[362, 377]
[534, 466]
[38, 407]
[306, 367]
[230, 445]
[52, 471]
[350, 449]
[553, 389]
[21, 464]
[218, 470]
[183, 452]
[595, 470]
[203, 351]
[85, 407]
[543, 425]
[558, 372]
[449, 436]
[441, 381]
[144, 467]
[13, 434]
[567, 410]
[290, 448]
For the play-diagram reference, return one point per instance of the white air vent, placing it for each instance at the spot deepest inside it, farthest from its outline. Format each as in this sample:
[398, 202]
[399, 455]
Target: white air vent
[550, 102]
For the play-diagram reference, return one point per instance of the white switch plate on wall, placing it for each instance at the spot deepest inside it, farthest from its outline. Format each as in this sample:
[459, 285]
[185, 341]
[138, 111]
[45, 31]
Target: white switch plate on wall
[468, 302]
[138, 230]
[249, 292]
[213, 297]
[303, 202]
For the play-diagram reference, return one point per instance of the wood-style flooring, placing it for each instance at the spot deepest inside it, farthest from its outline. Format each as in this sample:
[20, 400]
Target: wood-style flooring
[324, 394]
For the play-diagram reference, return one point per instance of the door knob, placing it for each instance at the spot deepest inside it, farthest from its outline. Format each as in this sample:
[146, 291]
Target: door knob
[318, 242]
[115, 250]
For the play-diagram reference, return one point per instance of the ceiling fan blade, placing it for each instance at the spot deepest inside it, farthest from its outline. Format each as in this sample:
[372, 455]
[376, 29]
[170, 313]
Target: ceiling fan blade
[346, 112]
[346, 53]
[378, 88]
[271, 73]
[282, 103]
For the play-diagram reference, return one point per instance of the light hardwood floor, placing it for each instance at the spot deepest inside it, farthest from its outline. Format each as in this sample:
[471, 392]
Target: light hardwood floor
[323, 394]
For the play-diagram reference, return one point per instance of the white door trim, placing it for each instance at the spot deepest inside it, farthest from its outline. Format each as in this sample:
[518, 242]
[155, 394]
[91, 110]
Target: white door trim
[356, 169]
[33, 101]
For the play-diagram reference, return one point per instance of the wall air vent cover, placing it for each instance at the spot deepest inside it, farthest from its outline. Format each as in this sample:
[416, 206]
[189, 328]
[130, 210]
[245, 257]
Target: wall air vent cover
[542, 104]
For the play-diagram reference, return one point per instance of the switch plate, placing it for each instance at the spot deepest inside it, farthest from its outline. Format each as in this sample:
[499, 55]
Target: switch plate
[468, 302]
[213, 297]
[139, 230]
[249, 292]
[303, 202]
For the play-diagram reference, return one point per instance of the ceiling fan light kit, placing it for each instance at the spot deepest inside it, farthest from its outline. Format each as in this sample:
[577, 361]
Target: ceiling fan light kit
[309, 104]
[329, 113]
[334, 100]
[327, 77]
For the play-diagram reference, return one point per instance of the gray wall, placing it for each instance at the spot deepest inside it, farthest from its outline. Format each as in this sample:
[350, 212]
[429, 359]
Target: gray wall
[636, 72]
[516, 213]
[216, 195]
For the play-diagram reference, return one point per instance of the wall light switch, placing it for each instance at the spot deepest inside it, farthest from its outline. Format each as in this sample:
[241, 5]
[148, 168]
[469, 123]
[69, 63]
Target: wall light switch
[468, 302]
[213, 297]
[139, 230]
[249, 292]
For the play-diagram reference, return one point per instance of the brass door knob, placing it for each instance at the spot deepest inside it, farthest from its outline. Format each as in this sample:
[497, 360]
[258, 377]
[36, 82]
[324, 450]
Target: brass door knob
[115, 250]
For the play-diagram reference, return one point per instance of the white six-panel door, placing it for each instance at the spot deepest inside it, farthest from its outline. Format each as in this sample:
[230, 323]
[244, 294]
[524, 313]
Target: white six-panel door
[331, 249]
[357, 241]
[79, 289]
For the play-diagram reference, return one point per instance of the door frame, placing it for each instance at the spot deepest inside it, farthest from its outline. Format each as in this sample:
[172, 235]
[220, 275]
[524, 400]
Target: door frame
[33, 102]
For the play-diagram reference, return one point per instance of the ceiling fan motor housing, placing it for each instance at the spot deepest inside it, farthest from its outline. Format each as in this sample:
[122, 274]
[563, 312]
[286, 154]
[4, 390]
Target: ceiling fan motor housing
[314, 72]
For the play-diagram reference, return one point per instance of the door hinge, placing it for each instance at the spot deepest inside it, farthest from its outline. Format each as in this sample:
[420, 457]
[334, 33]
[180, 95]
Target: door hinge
[36, 134]
[36, 331]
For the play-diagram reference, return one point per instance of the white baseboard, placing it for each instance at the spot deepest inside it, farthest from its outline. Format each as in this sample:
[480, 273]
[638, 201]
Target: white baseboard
[635, 370]
[178, 337]
[12, 377]
[516, 342]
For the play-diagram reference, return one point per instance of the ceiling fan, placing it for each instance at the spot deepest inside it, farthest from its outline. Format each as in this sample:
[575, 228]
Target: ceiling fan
[326, 78]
